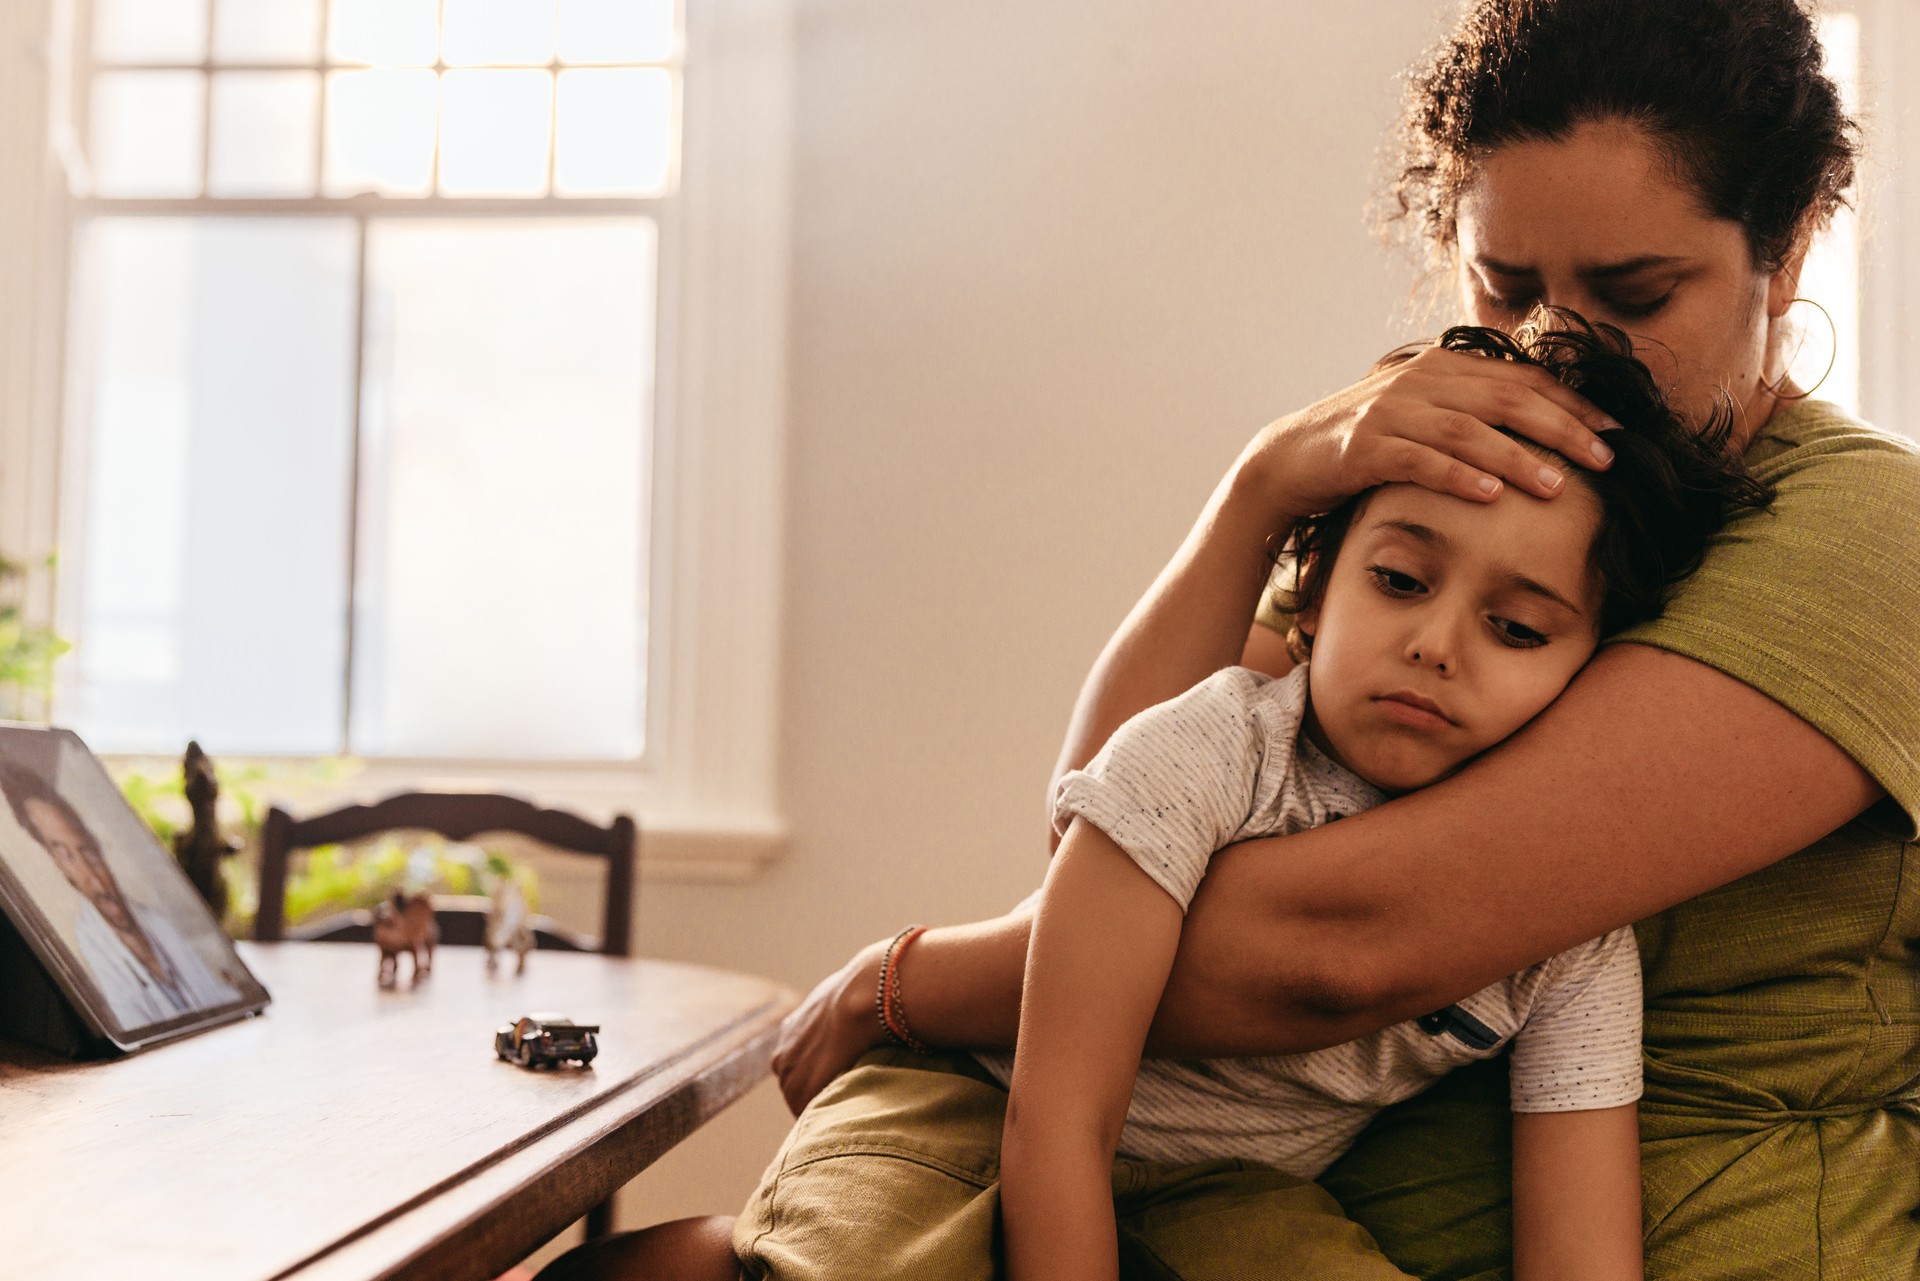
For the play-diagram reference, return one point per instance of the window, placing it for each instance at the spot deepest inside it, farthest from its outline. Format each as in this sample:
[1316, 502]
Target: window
[1889, 276]
[411, 387]
[363, 345]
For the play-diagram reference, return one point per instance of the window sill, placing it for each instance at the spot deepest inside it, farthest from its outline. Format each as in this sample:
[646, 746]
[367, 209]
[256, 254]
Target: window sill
[716, 850]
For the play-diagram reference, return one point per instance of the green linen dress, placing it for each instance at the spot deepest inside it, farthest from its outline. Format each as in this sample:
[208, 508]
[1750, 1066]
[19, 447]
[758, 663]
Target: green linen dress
[1780, 1129]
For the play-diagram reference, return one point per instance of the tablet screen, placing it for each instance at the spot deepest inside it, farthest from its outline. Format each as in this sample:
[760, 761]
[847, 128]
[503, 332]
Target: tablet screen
[104, 906]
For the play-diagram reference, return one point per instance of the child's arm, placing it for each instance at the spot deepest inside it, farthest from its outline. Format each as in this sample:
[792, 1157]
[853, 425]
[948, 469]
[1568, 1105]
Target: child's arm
[1576, 1195]
[1102, 945]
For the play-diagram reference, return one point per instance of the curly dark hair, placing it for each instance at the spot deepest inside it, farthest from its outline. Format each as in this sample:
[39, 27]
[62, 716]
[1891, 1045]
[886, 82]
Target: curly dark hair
[1670, 489]
[1733, 91]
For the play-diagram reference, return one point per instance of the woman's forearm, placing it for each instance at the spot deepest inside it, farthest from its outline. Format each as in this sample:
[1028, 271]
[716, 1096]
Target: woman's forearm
[1652, 780]
[961, 983]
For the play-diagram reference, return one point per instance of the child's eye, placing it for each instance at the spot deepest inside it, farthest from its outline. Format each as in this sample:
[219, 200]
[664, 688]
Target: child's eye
[1517, 635]
[1395, 583]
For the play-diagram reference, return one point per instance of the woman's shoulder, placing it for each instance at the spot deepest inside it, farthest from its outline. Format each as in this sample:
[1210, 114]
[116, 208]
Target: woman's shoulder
[1819, 436]
[1843, 491]
[1809, 599]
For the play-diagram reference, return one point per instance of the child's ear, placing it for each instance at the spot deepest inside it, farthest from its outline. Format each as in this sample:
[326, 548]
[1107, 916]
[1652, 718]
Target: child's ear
[1300, 634]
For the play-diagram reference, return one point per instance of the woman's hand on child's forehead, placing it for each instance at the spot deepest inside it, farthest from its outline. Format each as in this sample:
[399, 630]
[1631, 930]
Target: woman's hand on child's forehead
[1521, 398]
[1434, 419]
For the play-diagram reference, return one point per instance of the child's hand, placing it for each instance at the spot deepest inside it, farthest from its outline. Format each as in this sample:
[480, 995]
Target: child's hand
[833, 1027]
[1429, 419]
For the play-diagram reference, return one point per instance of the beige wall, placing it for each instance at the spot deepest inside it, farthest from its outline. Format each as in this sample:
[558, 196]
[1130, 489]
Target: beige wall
[1053, 264]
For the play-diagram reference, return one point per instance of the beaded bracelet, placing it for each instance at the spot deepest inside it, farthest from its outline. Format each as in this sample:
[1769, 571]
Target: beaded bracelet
[887, 1000]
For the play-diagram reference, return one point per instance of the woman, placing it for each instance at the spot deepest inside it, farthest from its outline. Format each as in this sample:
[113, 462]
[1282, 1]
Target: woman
[1740, 778]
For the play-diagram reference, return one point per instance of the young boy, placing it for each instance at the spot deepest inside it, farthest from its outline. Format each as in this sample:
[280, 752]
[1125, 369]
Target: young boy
[1434, 629]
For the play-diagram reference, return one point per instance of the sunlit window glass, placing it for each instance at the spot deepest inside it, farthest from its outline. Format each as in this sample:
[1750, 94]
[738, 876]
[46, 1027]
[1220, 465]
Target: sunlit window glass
[616, 30]
[384, 33]
[149, 31]
[478, 33]
[419, 235]
[213, 429]
[615, 132]
[504, 427]
[147, 133]
[380, 132]
[265, 133]
[495, 127]
[285, 31]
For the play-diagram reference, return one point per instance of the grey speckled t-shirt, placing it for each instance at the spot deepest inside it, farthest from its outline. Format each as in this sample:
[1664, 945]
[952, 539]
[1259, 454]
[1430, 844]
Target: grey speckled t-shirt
[1226, 762]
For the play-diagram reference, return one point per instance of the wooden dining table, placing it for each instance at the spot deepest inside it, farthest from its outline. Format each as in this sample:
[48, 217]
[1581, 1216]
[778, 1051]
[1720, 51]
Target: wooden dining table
[350, 1132]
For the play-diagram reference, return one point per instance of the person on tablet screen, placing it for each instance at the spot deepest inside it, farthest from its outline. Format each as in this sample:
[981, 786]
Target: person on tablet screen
[147, 970]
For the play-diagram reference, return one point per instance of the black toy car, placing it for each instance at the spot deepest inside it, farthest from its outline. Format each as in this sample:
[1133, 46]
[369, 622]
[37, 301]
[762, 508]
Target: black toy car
[546, 1038]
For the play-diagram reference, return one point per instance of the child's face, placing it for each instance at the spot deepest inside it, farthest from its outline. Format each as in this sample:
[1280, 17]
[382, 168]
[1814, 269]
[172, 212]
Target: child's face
[1446, 626]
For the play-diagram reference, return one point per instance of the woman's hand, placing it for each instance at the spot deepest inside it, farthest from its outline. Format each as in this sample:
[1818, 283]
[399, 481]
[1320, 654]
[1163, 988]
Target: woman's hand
[834, 1026]
[1430, 420]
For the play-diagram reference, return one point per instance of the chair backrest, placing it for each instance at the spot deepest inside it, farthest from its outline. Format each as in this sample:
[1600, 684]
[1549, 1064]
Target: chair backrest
[458, 816]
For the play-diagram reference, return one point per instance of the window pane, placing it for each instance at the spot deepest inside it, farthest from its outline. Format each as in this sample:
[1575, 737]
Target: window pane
[500, 604]
[380, 132]
[616, 30]
[479, 32]
[266, 31]
[264, 133]
[384, 33]
[150, 30]
[147, 133]
[211, 429]
[615, 132]
[494, 131]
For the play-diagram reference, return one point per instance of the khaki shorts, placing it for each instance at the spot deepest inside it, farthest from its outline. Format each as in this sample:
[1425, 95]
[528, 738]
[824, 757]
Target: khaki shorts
[893, 1171]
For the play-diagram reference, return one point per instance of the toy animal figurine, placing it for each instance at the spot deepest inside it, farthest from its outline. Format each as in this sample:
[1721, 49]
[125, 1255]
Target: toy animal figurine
[201, 848]
[405, 924]
[509, 924]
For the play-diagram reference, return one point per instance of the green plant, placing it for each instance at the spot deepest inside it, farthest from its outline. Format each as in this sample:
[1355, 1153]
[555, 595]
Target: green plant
[161, 802]
[28, 651]
[334, 878]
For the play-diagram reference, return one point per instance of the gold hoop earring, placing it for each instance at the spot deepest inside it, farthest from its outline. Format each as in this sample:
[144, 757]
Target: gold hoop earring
[1833, 354]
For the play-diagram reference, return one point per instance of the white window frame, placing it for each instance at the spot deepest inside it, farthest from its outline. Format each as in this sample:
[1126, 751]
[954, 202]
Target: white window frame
[705, 793]
[1890, 215]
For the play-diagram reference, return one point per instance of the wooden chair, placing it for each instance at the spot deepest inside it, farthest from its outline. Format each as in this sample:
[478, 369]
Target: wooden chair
[458, 817]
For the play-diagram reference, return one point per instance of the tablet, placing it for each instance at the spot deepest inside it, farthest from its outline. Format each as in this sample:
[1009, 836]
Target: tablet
[105, 910]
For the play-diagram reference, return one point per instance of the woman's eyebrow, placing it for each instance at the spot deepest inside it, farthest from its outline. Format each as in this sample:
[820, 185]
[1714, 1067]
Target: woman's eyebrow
[1499, 268]
[1596, 271]
[1628, 267]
